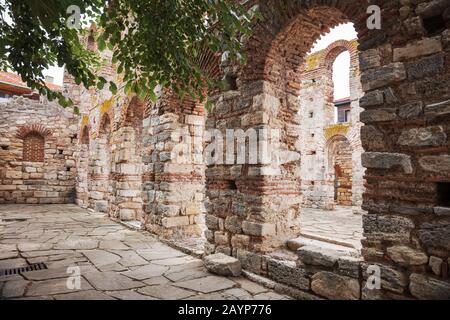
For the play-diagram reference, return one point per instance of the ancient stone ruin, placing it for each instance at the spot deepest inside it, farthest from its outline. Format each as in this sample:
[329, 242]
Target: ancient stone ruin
[386, 160]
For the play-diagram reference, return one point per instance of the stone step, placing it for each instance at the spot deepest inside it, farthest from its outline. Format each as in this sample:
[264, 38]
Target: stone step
[303, 241]
[338, 242]
[133, 224]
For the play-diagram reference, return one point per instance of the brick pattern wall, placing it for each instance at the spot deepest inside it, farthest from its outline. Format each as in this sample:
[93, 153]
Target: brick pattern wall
[405, 80]
[174, 181]
[37, 154]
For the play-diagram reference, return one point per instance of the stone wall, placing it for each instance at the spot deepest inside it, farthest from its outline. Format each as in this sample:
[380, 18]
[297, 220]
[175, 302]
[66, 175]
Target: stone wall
[133, 169]
[49, 174]
[405, 79]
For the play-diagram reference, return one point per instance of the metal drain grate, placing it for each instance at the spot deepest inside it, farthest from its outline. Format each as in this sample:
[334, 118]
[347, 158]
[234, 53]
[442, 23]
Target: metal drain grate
[31, 267]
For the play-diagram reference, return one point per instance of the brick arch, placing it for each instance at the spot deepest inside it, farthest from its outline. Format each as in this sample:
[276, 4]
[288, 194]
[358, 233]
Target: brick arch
[282, 39]
[330, 54]
[37, 129]
[331, 143]
[132, 112]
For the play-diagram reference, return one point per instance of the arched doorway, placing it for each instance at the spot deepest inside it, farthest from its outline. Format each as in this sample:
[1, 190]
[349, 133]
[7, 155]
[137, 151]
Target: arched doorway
[265, 199]
[339, 170]
[404, 179]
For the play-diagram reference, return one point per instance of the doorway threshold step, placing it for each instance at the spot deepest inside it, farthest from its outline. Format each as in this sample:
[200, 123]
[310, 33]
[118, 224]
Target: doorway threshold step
[303, 240]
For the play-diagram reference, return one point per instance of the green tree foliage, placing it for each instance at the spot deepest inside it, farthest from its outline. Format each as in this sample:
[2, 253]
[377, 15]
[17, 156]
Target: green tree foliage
[154, 42]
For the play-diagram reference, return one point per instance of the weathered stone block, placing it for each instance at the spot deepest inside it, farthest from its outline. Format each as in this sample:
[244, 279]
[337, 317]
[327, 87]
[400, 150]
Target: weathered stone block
[223, 265]
[427, 288]
[378, 115]
[371, 99]
[442, 211]
[438, 164]
[388, 161]
[221, 238]
[212, 222]
[432, 8]
[423, 137]
[410, 110]
[391, 279]
[289, 273]
[406, 256]
[419, 48]
[240, 241]
[350, 266]
[258, 229]
[435, 234]
[170, 222]
[435, 265]
[318, 256]
[335, 287]
[425, 67]
[387, 227]
[384, 76]
[233, 224]
[250, 261]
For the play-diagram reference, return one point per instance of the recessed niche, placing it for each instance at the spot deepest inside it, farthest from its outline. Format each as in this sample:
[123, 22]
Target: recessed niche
[443, 192]
[231, 82]
[232, 185]
[434, 25]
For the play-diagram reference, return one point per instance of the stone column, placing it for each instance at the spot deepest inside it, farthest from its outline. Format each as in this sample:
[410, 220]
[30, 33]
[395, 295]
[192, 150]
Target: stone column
[174, 181]
[254, 207]
[127, 175]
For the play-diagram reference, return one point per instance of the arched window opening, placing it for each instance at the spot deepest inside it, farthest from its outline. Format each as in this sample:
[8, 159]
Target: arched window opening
[91, 42]
[105, 126]
[85, 136]
[33, 147]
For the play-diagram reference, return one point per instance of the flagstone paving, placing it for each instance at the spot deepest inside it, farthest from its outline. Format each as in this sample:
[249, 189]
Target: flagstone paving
[340, 226]
[114, 262]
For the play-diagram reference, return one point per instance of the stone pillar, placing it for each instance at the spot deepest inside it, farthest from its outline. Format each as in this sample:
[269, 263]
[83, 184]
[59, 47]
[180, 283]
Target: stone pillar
[174, 180]
[99, 170]
[127, 175]
[82, 188]
[254, 207]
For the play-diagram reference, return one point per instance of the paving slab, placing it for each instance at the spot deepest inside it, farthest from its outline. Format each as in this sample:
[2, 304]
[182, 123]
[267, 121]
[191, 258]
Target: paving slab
[55, 286]
[166, 292]
[111, 281]
[207, 284]
[114, 262]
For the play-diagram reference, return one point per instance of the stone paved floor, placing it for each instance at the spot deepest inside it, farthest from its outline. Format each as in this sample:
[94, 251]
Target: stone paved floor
[340, 226]
[114, 262]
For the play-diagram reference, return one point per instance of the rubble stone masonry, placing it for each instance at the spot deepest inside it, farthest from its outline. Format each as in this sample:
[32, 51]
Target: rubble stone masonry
[405, 79]
[126, 152]
[37, 152]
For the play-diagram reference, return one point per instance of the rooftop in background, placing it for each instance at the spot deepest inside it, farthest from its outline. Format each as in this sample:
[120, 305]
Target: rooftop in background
[12, 84]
